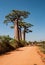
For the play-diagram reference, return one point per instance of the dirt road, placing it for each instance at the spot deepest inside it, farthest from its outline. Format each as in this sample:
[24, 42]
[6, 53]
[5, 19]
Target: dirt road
[22, 56]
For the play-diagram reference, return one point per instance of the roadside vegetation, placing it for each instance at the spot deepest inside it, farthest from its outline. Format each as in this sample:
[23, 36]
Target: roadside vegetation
[41, 45]
[16, 17]
[8, 44]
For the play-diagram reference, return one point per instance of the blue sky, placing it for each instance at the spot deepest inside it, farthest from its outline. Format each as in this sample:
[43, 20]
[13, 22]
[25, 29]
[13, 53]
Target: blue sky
[37, 17]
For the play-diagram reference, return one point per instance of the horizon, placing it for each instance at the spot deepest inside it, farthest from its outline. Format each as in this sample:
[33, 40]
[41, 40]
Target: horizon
[37, 17]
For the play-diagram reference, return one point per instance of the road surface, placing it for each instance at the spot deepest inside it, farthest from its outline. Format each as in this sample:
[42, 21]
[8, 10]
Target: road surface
[22, 56]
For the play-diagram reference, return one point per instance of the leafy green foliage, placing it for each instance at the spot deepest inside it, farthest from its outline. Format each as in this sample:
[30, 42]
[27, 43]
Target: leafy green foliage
[15, 14]
[41, 45]
[4, 43]
[22, 43]
[7, 44]
[14, 43]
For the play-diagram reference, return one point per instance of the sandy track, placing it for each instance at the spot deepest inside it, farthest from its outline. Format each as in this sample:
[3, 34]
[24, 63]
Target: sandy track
[22, 56]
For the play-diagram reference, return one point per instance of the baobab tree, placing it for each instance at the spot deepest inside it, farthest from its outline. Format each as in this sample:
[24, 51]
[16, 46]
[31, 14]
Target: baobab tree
[15, 16]
[20, 26]
[27, 31]
[26, 27]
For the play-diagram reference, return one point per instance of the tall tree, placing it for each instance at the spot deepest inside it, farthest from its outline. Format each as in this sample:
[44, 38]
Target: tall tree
[14, 17]
[26, 29]
[20, 26]
[24, 26]
[24, 33]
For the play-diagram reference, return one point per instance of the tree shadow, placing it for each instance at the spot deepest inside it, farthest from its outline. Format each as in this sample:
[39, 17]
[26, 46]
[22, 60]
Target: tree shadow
[19, 50]
[9, 52]
[6, 53]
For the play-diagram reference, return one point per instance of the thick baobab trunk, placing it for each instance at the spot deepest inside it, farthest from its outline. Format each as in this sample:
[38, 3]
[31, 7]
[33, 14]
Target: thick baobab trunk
[23, 35]
[16, 32]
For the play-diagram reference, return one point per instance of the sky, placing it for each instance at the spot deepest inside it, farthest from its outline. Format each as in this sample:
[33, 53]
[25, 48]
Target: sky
[37, 17]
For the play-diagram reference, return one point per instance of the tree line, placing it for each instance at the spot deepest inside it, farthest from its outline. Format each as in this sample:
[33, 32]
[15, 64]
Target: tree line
[16, 17]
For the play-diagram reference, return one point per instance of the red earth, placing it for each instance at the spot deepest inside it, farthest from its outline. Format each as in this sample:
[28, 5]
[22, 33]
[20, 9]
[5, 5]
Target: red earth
[22, 56]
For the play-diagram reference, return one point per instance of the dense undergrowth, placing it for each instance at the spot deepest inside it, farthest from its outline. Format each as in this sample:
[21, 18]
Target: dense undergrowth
[41, 46]
[8, 44]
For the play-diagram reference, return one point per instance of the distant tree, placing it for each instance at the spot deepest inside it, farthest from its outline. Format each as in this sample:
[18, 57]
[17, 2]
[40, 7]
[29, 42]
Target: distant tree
[43, 44]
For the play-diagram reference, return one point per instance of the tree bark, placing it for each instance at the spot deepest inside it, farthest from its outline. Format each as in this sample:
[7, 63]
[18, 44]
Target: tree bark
[16, 32]
[20, 36]
[23, 35]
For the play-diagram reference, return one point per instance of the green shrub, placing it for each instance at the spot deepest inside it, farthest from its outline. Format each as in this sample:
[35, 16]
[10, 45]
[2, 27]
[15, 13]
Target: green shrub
[42, 46]
[22, 43]
[14, 43]
[9, 44]
[30, 43]
[4, 44]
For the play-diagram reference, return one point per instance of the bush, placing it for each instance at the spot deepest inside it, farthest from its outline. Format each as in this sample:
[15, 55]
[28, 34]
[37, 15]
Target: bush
[42, 46]
[14, 43]
[30, 43]
[4, 44]
[9, 44]
[22, 43]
